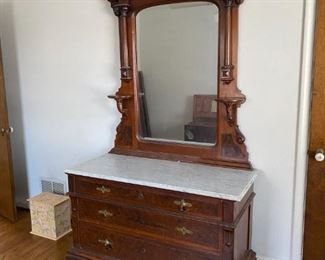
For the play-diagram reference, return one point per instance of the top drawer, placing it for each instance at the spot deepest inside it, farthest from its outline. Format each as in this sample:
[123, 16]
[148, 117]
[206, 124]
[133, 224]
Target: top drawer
[148, 197]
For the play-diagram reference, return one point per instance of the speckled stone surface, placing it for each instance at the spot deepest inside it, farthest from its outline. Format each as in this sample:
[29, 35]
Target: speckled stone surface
[191, 178]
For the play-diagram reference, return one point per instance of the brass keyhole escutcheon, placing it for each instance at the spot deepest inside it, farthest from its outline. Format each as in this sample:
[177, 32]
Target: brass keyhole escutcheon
[184, 231]
[107, 244]
[105, 213]
[140, 196]
[103, 189]
[182, 204]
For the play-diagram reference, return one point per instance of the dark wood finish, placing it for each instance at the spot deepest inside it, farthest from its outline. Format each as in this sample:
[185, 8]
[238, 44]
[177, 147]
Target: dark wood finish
[116, 220]
[128, 247]
[151, 223]
[17, 242]
[314, 235]
[7, 191]
[229, 149]
[148, 197]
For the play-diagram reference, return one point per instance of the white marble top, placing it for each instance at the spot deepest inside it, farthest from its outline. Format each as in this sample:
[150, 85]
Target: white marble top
[191, 178]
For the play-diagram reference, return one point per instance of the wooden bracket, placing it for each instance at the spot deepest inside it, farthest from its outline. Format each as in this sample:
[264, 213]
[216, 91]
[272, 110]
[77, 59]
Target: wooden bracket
[231, 104]
[120, 102]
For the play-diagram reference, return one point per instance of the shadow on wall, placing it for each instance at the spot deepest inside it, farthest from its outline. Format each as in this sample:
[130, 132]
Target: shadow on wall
[12, 83]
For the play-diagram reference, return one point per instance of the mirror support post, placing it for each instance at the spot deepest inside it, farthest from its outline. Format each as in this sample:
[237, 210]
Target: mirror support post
[227, 69]
[123, 99]
[121, 10]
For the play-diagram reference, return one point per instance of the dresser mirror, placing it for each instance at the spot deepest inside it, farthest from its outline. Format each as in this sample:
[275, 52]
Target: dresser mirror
[177, 61]
[179, 98]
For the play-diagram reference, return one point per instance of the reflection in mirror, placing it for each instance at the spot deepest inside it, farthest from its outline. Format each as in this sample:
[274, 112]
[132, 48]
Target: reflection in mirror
[177, 62]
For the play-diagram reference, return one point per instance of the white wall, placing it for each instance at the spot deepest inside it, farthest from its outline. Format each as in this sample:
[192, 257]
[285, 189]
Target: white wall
[61, 60]
[269, 60]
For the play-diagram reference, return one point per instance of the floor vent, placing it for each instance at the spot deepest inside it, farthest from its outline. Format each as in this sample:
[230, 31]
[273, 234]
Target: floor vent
[53, 186]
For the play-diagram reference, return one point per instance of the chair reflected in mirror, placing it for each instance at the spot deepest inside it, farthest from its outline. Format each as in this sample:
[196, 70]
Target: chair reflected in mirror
[203, 127]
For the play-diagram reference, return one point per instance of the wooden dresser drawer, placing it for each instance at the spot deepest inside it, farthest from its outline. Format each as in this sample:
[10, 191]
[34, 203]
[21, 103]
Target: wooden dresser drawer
[150, 197]
[120, 246]
[152, 222]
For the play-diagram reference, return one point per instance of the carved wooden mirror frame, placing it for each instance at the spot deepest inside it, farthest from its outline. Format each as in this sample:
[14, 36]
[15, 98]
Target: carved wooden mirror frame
[229, 150]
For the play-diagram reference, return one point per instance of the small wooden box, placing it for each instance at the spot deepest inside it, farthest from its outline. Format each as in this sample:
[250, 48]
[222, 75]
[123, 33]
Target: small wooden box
[50, 215]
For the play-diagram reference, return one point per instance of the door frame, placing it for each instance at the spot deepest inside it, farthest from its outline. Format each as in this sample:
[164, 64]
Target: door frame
[302, 140]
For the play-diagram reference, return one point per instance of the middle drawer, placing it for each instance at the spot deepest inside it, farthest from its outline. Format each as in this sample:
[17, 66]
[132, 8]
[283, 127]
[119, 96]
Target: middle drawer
[150, 221]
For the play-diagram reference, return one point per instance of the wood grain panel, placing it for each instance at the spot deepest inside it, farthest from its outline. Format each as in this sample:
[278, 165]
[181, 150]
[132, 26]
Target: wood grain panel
[127, 247]
[150, 197]
[120, 214]
[151, 221]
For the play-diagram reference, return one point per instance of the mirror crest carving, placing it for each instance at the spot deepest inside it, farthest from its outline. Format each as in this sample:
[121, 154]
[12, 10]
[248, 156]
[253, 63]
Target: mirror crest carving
[229, 149]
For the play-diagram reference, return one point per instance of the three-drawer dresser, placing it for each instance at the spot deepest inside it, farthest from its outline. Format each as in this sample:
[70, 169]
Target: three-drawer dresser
[126, 207]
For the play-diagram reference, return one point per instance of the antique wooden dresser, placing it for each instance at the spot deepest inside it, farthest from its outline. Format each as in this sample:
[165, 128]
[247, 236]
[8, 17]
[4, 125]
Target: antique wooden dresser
[138, 201]
[125, 207]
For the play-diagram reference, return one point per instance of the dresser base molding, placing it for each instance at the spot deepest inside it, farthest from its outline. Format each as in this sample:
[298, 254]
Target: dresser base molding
[78, 254]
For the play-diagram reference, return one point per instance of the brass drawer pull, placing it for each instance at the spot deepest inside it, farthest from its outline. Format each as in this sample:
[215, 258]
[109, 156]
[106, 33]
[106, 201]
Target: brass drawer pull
[183, 204]
[103, 189]
[184, 231]
[108, 244]
[105, 213]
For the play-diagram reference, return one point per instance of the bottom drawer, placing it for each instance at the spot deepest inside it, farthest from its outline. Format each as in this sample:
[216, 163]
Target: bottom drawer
[121, 246]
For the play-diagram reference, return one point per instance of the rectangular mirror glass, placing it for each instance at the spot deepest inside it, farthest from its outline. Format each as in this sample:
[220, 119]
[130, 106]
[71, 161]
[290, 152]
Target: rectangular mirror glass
[177, 55]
